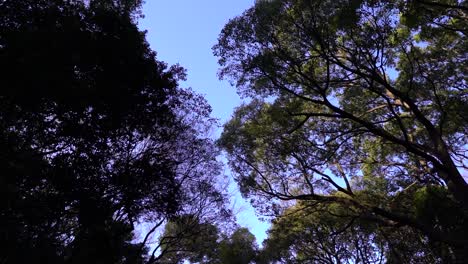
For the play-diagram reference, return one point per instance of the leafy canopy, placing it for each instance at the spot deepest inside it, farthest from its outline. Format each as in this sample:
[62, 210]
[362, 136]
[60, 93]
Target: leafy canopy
[358, 103]
[96, 137]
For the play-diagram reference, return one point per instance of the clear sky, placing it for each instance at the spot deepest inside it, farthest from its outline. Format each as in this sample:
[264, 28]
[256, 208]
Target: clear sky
[183, 31]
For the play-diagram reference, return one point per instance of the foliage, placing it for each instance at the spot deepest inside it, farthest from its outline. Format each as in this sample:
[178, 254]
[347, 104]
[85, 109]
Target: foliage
[187, 239]
[361, 104]
[96, 137]
[239, 248]
[331, 233]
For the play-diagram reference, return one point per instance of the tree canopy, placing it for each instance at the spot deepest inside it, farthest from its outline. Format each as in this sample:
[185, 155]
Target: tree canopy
[353, 139]
[96, 137]
[356, 104]
[195, 242]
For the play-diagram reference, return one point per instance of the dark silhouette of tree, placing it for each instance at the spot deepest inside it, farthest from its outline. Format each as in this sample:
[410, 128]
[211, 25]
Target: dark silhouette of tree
[95, 135]
[186, 238]
[361, 104]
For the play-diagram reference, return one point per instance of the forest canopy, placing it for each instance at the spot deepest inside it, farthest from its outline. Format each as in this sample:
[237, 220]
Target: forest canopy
[96, 137]
[354, 137]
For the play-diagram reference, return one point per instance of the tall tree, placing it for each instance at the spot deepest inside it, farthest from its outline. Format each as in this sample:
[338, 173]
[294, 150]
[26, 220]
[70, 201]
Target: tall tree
[187, 238]
[331, 233]
[356, 103]
[239, 248]
[204, 243]
[95, 134]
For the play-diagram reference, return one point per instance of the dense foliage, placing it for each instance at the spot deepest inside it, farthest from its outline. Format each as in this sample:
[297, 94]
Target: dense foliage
[190, 240]
[96, 137]
[353, 138]
[354, 104]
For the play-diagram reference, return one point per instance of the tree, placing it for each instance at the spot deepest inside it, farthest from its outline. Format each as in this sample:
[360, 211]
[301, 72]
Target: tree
[239, 248]
[312, 235]
[187, 239]
[355, 103]
[95, 134]
[331, 233]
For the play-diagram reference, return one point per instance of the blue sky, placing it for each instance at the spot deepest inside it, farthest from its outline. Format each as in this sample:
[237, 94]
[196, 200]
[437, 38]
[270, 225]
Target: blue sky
[183, 31]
